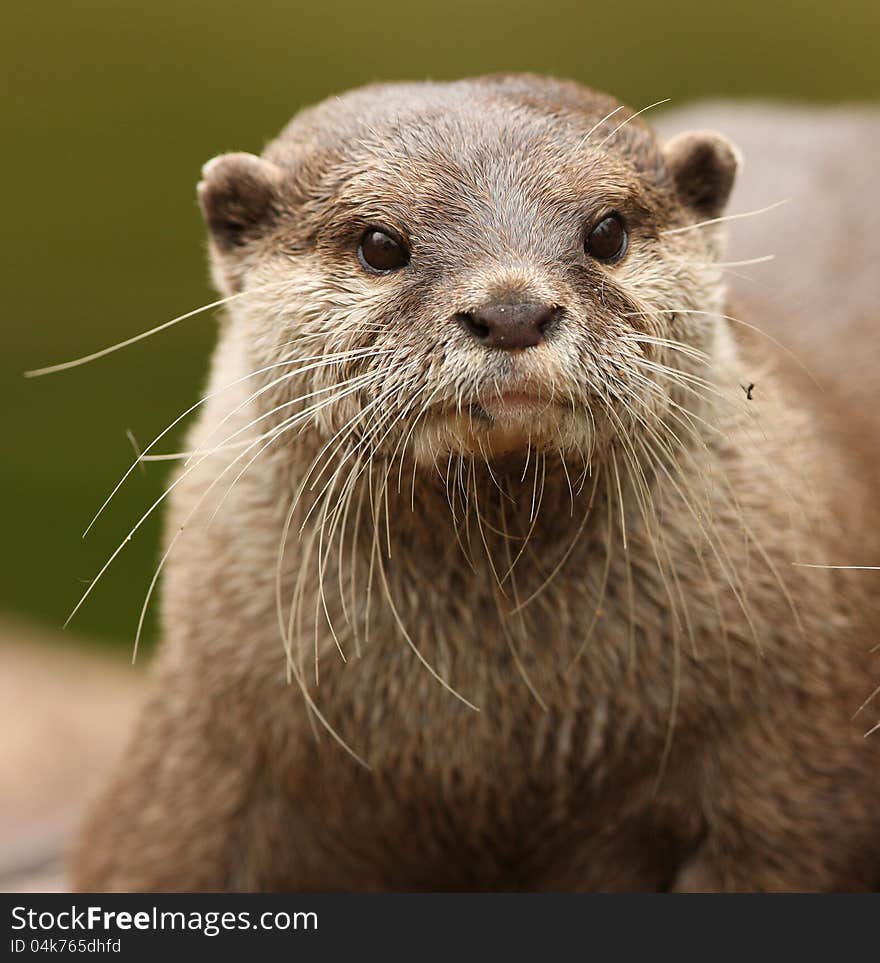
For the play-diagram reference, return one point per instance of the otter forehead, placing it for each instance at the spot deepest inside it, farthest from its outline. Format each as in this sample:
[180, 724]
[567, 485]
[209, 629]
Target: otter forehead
[465, 106]
[509, 161]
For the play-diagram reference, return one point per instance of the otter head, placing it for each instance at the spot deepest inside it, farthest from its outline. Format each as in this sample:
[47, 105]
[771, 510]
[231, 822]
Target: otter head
[478, 268]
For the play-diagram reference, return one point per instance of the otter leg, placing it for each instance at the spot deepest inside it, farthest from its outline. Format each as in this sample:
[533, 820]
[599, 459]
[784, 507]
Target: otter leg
[801, 820]
[731, 866]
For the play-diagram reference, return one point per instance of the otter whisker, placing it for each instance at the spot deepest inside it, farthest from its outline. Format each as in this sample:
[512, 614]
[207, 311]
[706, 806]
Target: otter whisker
[598, 124]
[76, 362]
[619, 499]
[764, 259]
[657, 103]
[322, 561]
[353, 565]
[340, 521]
[849, 568]
[517, 610]
[727, 217]
[528, 457]
[535, 508]
[603, 583]
[472, 479]
[567, 480]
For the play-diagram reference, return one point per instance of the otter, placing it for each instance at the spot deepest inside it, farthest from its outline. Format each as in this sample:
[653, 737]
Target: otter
[478, 570]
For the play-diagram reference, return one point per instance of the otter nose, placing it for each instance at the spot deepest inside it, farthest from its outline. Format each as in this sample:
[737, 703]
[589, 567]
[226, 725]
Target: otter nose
[510, 326]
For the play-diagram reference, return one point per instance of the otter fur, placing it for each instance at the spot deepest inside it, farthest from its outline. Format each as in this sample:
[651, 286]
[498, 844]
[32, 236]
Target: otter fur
[479, 575]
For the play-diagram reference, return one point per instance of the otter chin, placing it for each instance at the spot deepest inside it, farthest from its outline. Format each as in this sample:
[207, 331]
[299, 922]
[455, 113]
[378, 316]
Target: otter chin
[518, 412]
[501, 423]
[478, 572]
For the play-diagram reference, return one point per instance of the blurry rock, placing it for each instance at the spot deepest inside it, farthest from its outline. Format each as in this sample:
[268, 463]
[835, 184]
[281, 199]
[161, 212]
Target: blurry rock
[65, 711]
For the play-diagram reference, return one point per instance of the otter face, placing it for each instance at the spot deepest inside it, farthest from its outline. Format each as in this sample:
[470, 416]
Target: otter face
[475, 268]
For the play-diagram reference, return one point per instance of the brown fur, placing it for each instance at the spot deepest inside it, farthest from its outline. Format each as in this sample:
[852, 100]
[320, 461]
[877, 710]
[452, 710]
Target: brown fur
[577, 654]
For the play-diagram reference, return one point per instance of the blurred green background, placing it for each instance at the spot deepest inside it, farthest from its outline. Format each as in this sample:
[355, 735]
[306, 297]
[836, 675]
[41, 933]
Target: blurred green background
[111, 108]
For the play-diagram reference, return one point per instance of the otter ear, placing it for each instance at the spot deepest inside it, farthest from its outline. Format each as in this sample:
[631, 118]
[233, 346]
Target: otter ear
[703, 166]
[240, 198]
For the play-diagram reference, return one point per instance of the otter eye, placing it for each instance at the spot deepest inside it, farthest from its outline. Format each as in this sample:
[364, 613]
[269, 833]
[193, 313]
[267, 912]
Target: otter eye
[381, 252]
[607, 241]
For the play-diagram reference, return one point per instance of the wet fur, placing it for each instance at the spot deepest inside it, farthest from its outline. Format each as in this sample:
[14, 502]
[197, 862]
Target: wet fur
[413, 646]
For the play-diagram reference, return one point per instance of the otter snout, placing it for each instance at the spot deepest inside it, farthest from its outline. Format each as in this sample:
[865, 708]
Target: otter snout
[510, 326]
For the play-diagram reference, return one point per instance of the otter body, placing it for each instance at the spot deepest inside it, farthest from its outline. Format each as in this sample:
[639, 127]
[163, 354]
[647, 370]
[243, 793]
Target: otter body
[480, 574]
